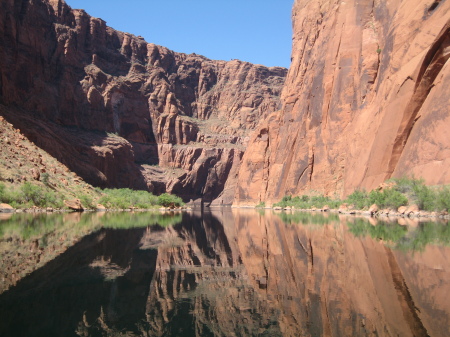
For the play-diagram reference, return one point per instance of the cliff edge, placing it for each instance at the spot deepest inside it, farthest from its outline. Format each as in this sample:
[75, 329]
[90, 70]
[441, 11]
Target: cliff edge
[365, 99]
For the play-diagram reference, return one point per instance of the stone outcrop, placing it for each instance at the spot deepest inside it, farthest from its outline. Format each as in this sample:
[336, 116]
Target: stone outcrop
[74, 204]
[108, 104]
[5, 208]
[365, 99]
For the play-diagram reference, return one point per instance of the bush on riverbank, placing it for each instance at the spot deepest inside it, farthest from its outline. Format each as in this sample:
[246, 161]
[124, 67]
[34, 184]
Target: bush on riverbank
[399, 192]
[307, 202]
[169, 200]
[124, 198]
[28, 195]
[387, 198]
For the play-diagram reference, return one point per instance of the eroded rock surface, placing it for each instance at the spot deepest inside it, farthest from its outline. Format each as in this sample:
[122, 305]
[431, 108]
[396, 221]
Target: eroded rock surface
[365, 99]
[107, 103]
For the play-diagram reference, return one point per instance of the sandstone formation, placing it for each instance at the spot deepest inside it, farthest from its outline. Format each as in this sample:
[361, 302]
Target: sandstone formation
[365, 99]
[74, 204]
[122, 112]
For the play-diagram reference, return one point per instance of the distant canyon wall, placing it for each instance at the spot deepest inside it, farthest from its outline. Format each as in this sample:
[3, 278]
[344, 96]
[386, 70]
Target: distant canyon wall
[122, 112]
[366, 99]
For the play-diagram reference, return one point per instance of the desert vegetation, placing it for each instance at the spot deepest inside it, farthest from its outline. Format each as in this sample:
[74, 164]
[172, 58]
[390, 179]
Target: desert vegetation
[394, 193]
[28, 194]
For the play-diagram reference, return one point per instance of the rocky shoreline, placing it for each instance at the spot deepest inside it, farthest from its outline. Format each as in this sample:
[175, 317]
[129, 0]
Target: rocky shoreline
[7, 209]
[401, 212]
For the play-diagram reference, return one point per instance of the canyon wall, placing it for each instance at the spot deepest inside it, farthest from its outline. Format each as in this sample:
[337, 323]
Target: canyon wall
[365, 99]
[122, 112]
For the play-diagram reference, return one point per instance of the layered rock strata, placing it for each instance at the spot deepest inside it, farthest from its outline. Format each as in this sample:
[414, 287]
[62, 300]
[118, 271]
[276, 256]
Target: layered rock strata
[365, 100]
[111, 106]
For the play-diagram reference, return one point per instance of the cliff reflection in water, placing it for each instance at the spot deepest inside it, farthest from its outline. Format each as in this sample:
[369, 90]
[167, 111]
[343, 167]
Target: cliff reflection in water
[237, 273]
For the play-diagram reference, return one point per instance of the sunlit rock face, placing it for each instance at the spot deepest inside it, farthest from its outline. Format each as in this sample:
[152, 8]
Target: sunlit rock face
[365, 99]
[122, 112]
[235, 273]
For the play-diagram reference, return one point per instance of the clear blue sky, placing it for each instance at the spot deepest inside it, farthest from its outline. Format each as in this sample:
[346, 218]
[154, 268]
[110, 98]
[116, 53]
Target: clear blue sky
[257, 31]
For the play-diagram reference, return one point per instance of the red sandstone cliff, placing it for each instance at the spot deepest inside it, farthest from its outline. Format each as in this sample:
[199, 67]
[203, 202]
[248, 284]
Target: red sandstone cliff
[122, 112]
[366, 99]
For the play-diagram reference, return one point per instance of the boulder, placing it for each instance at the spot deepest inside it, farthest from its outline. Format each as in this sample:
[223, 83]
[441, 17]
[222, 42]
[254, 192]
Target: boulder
[343, 208]
[402, 209]
[100, 208]
[35, 174]
[412, 209]
[5, 208]
[373, 209]
[74, 204]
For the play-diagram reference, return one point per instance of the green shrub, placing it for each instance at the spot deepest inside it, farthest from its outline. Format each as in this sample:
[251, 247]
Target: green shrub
[286, 198]
[359, 198]
[262, 204]
[36, 195]
[405, 190]
[33, 194]
[45, 178]
[2, 192]
[125, 198]
[167, 200]
[87, 201]
[389, 197]
[306, 202]
[443, 199]
[425, 197]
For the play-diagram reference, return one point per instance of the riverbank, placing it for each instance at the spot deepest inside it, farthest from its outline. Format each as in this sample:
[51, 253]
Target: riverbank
[67, 210]
[402, 212]
[402, 197]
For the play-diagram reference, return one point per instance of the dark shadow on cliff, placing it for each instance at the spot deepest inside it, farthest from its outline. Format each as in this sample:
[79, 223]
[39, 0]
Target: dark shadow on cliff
[100, 159]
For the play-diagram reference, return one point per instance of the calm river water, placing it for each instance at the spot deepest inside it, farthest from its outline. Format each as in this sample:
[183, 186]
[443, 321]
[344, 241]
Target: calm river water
[222, 273]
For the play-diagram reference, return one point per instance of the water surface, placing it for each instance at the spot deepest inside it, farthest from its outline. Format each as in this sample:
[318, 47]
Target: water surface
[222, 273]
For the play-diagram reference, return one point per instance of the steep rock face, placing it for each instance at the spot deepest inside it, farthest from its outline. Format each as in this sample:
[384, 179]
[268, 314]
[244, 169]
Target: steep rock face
[69, 70]
[365, 99]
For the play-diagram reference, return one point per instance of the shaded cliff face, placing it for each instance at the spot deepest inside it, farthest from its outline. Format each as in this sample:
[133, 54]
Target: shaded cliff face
[365, 99]
[111, 106]
[232, 273]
